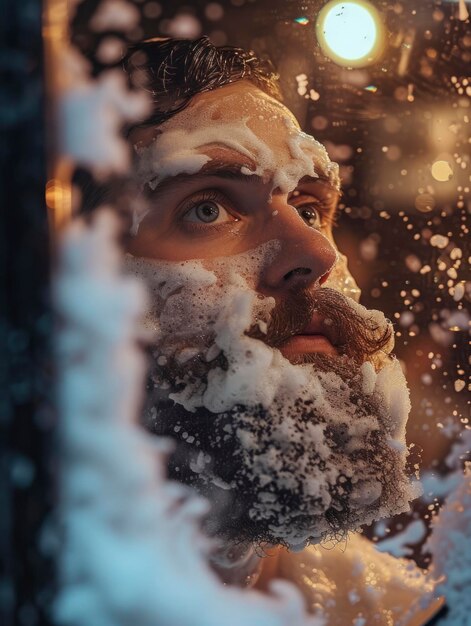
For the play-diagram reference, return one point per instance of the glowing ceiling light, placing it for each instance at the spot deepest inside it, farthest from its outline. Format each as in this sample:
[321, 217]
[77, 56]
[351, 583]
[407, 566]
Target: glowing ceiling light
[350, 32]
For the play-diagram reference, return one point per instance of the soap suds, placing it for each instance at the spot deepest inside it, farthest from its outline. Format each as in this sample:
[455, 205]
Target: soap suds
[303, 451]
[129, 545]
[179, 147]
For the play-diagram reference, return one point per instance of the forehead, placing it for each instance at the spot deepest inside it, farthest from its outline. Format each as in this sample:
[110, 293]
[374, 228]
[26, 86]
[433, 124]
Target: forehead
[230, 103]
[242, 101]
[239, 117]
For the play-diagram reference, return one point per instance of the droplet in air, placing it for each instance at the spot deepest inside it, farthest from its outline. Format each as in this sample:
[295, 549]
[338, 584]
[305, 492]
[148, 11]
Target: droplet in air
[424, 202]
[458, 292]
[439, 241]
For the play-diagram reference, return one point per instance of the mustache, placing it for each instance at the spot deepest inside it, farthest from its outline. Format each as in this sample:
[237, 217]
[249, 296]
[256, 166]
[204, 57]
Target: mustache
[356, 336]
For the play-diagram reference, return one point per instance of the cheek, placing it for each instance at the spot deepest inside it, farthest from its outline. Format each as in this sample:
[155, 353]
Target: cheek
[169, 245]
[153, 243]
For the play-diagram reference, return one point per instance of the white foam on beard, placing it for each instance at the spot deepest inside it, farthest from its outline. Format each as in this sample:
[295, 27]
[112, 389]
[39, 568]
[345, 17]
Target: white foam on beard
[177, 149]
[196, 310]
[330, 398]
[204, 311]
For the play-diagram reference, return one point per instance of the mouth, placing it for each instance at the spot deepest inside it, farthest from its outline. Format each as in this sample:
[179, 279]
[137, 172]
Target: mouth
[316, 338]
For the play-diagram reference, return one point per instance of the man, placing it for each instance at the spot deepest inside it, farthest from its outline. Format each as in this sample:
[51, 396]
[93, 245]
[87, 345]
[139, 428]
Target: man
[287, 409]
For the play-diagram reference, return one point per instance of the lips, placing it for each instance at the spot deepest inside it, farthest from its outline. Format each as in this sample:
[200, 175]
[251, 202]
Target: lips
[316, 337]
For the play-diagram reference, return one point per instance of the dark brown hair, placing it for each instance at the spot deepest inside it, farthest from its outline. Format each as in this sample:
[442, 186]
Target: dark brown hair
[173, 71]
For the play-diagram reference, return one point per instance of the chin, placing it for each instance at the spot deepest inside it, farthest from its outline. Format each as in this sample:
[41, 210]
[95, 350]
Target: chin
[294, 472]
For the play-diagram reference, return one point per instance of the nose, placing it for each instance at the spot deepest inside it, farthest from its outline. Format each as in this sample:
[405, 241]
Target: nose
[305, 258]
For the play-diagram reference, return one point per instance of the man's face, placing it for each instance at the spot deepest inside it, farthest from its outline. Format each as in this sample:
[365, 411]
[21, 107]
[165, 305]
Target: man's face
[257, 179]
[263, 369]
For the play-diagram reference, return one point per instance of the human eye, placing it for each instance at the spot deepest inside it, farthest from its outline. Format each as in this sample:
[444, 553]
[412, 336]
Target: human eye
[317, 210]
[310, 214]
[207, 209]
[310, 209]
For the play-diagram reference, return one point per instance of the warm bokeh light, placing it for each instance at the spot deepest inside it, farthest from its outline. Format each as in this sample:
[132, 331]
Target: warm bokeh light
[441, 171]
[350, 33]
[58, 195]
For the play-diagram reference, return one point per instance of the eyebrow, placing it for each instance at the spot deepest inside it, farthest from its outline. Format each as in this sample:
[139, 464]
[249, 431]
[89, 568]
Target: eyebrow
[228, 170]
[217, 168]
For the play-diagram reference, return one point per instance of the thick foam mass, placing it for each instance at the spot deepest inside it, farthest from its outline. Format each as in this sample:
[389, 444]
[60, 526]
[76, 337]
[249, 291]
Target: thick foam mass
[331, 444]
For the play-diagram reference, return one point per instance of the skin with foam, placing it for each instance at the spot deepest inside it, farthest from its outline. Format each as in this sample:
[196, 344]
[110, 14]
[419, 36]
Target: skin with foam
[239, 120]
[199, 314]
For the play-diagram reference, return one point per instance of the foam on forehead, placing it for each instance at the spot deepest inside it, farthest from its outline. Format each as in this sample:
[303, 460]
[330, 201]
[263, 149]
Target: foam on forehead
[243, 122]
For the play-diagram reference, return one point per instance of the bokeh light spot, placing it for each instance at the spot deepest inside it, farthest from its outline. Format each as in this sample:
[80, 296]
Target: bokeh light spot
[349, 32]
[424, 202]
[441, 171]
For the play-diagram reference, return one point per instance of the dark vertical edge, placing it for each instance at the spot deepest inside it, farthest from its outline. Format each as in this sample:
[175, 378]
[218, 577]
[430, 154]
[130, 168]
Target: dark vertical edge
[26, 412]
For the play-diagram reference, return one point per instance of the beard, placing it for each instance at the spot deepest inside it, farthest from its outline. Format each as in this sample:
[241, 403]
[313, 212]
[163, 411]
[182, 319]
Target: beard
[287, 453]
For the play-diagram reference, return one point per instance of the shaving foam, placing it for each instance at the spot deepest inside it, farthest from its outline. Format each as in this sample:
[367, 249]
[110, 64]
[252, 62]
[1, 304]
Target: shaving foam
[179, 147]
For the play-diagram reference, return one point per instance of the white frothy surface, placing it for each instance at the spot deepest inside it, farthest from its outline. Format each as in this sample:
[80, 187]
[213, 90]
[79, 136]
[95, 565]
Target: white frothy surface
[449, 544]
[131, 548]
[180, 145]
[210, 310]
